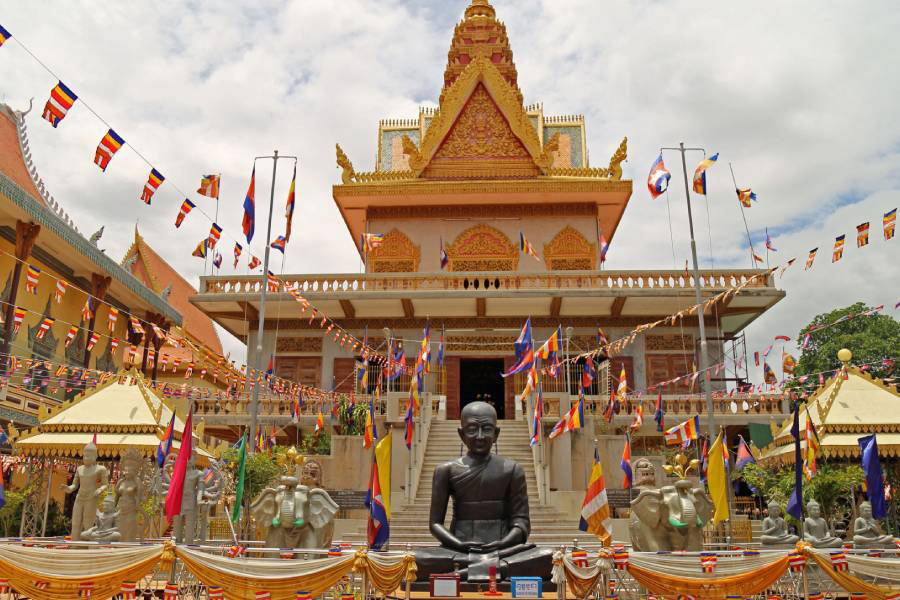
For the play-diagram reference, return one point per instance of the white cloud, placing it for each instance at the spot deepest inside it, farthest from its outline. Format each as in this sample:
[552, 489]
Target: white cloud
[801, 97]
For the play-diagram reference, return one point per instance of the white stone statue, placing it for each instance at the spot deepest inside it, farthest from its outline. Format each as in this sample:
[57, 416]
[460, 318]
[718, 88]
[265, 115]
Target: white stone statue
[866, 531]
[129, 491]
[91, 481]
[192, 494]
[105, 530]
[815, 529]
[295, 516]
[775, 531]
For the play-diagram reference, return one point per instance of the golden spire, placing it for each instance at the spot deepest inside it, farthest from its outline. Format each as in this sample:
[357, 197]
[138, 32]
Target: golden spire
[480, 34]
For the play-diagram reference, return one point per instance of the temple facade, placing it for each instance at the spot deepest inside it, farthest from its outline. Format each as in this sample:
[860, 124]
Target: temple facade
[454, 191]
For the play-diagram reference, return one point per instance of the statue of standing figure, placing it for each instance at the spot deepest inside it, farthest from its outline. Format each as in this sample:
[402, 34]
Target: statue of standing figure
[775, 531]
[129, 491]
[91, 481]
[867, 532]
[815, 529]
[191, 496]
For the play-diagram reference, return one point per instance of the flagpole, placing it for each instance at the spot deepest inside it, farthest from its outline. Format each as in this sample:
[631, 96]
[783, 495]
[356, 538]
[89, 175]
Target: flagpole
[704, 356]
[254, 405]
[744, 216]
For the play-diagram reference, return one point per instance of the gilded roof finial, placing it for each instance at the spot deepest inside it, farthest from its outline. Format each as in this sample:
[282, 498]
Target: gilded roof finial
[480, 8]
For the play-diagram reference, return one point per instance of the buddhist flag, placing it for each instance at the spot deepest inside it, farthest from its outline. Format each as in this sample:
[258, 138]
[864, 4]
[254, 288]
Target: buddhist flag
[746, 197]
[700, 174]
[70, 335]
[254, 263]
[60, 101]
[378, 498]
[862, 234]
[526, 247]
[371, 241]
[596, 517]
[536, 428]
[200, 250]
[370, 435]
[215, 233]
[44, 327]
[795, 502]
[320, 422]
[626, 463]
[61, 287]
[810, 259]
[237, 253]
[658, 179]
[716, 479]
[32, 277]
[572, 421]
[289, 206]
[409, 419]
[812, 447]
[249, 221]
[107, 147]
[890, 223]
[757, 258]
[683, 432]
[788, 363]
[186, 207]
[445, 259]
[153, 182]
[838, 251]
[4, 35]
[209, 186]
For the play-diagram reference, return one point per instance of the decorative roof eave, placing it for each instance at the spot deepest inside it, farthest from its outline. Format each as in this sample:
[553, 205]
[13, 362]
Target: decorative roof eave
[41, 216]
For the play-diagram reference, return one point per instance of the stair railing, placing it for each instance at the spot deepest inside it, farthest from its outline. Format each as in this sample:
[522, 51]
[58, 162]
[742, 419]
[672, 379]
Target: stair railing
[418, 445]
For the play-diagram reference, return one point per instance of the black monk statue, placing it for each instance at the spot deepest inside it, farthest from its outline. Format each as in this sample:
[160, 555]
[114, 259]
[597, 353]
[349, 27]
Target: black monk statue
[490, 524]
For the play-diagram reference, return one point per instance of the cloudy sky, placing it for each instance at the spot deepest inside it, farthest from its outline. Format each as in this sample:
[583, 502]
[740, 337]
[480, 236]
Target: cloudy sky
[800, 97]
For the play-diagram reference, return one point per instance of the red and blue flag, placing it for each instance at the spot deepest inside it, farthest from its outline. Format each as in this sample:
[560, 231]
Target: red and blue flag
[626, 463]
[4, 35]
[249, 222]
[658, 180]
[165, 444]
[279, 243]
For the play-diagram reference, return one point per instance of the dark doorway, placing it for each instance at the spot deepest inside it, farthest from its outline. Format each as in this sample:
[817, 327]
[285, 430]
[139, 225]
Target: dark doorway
[479, 379]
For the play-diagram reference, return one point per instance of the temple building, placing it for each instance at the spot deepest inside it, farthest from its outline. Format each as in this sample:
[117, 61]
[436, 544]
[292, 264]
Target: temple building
[472, 179]
[51, 349]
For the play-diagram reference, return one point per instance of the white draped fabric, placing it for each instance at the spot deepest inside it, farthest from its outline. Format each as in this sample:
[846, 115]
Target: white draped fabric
[681, 565]
[265, 568]
[76, 563]
[887, 567]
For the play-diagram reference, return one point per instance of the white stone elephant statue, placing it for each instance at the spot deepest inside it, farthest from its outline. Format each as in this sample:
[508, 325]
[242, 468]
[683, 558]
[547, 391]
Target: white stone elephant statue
[295, 516]
[670, 518]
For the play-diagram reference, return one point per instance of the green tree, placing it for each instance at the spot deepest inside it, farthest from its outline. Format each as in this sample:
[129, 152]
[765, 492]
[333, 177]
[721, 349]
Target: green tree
[261, 470]
[351, 417]
[871, 340]
[11, 513]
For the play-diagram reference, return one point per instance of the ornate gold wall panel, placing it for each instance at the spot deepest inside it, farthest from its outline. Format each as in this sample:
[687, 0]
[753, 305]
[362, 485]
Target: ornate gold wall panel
[299, 344]
[396, 255]
[483, 248]
[570, 251]
[670, 341]
[482, 211]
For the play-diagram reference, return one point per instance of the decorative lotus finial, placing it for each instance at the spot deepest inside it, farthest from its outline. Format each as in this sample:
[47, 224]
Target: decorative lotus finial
[681, 466]
[290, 459]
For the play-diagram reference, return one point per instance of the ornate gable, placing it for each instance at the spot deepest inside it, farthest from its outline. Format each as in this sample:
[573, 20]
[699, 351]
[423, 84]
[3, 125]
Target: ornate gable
[483, 248]
[396, 255]
[481, 130]
[570, 251]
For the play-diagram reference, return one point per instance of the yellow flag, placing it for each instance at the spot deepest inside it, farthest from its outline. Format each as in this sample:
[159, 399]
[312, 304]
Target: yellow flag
[383, 461]
[717, 479]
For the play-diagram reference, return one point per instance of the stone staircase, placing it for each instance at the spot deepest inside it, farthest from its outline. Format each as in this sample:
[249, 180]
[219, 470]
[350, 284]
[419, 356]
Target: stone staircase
[409, 525]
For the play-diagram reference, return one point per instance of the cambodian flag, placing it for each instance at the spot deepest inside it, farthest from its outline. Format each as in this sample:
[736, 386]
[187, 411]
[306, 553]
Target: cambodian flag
[658, 180]
[280, 243]
[2, 490]
[249, 222]
[769, 245]
[660, 412]
[165, 444]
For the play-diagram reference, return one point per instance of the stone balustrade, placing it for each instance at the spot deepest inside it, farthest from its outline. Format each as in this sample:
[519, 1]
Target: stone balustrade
[486, 281]
[679, 405]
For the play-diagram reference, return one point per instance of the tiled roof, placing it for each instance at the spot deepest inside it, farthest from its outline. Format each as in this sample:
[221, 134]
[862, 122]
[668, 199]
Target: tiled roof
[157, 274]
[12, 161]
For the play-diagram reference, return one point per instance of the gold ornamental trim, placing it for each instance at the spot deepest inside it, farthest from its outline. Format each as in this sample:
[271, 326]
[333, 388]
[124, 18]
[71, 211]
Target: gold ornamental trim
[483, 248]
[569, 250]
[397, 254]
[482, 187]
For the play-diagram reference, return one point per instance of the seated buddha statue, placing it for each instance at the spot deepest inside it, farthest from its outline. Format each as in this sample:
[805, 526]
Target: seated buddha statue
[106, 528]
[815, 529]
[775, 531]
[866, 531]
[490, 524]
